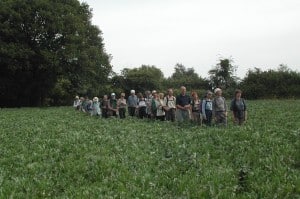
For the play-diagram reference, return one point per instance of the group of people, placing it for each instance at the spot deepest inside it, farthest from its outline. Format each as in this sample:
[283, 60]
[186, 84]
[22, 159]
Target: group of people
[154, 105]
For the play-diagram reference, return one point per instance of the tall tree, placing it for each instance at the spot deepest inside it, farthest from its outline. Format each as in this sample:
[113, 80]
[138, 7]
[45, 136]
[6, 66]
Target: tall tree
[45, 43]
[222, 75]
[187, 77]
[141, 79]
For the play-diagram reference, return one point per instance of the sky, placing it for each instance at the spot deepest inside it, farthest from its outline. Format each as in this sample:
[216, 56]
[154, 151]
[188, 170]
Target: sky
[197, 33]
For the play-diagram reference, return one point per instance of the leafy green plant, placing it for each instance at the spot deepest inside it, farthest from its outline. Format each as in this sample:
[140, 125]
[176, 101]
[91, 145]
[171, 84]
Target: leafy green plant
[61, 153]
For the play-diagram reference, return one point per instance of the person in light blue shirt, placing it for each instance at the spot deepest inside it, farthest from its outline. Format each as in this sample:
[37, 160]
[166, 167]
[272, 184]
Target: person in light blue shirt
[207, 108]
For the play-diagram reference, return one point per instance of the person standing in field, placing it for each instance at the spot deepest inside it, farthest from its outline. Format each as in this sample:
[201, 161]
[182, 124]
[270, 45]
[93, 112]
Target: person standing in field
[122, 106]
[132, 103]
[104, 106]
[195, 106]
[183, 102]
[220, 108]
[238, 108]
[207, 108]
[170, 106]
[112, 105]
[160, 113]
[96, 107]
[148, 100]
[142, 106]
[154, 104]
[77, 103]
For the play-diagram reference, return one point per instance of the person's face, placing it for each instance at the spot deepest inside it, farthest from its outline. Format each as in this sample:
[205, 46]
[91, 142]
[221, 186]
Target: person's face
[209, 95]
[183, 90]
[238, 95]
[219, 93]
[170, 92]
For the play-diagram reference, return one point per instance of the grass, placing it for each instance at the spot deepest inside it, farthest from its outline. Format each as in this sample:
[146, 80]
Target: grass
[60, 153]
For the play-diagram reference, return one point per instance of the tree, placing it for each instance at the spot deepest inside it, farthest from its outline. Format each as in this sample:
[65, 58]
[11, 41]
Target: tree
[222, 75]
[44, 43]
[141, 79]
[187, 77]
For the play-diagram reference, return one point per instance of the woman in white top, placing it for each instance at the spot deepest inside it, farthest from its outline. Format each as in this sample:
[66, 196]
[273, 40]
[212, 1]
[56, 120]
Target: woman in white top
[160, 113]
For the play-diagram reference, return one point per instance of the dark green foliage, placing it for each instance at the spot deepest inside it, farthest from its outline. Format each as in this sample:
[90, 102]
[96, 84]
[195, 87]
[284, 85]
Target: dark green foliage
[222, 75]
[140, 79]
[61, 153]
[44, 44]
[187, 77]
[281, 83]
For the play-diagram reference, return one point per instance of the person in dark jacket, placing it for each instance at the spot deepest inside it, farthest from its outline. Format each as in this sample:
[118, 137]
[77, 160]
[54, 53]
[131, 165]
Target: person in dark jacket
[238, 108]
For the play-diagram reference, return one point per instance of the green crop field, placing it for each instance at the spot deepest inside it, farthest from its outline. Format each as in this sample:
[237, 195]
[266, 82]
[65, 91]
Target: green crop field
[61, 153]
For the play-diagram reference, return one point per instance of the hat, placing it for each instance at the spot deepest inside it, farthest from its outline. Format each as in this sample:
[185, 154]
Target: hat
[132, 91]
[113, 94]
[77, 97]
[95, 99]
[217, 90]
[154, 91]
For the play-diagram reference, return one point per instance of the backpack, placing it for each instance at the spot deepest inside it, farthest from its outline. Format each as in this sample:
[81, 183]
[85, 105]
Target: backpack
[193, 105]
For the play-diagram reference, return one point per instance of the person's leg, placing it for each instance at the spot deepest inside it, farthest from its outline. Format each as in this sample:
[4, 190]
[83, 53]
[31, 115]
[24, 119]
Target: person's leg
[172, 112]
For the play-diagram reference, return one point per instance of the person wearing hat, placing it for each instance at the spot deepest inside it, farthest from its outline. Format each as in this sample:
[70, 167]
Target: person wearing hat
[132, 103]
[207, 108]
[96, 107]
[112, 105]
[77, 103]
[219, 108]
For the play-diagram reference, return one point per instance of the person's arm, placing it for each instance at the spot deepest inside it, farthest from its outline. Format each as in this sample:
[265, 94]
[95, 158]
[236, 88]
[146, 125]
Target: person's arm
[203, 109]
[245, 109]
[231, 108]
[225, 107]
[214, 108]
[110, 107]
[118, 103]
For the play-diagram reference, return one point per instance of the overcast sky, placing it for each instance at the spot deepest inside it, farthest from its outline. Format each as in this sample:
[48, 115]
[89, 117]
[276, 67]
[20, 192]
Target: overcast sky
[196, 33]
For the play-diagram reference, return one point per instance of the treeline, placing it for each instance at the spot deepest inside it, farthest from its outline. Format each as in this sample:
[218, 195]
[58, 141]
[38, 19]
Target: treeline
[280, 83]
[50, 52]
[257, 84]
